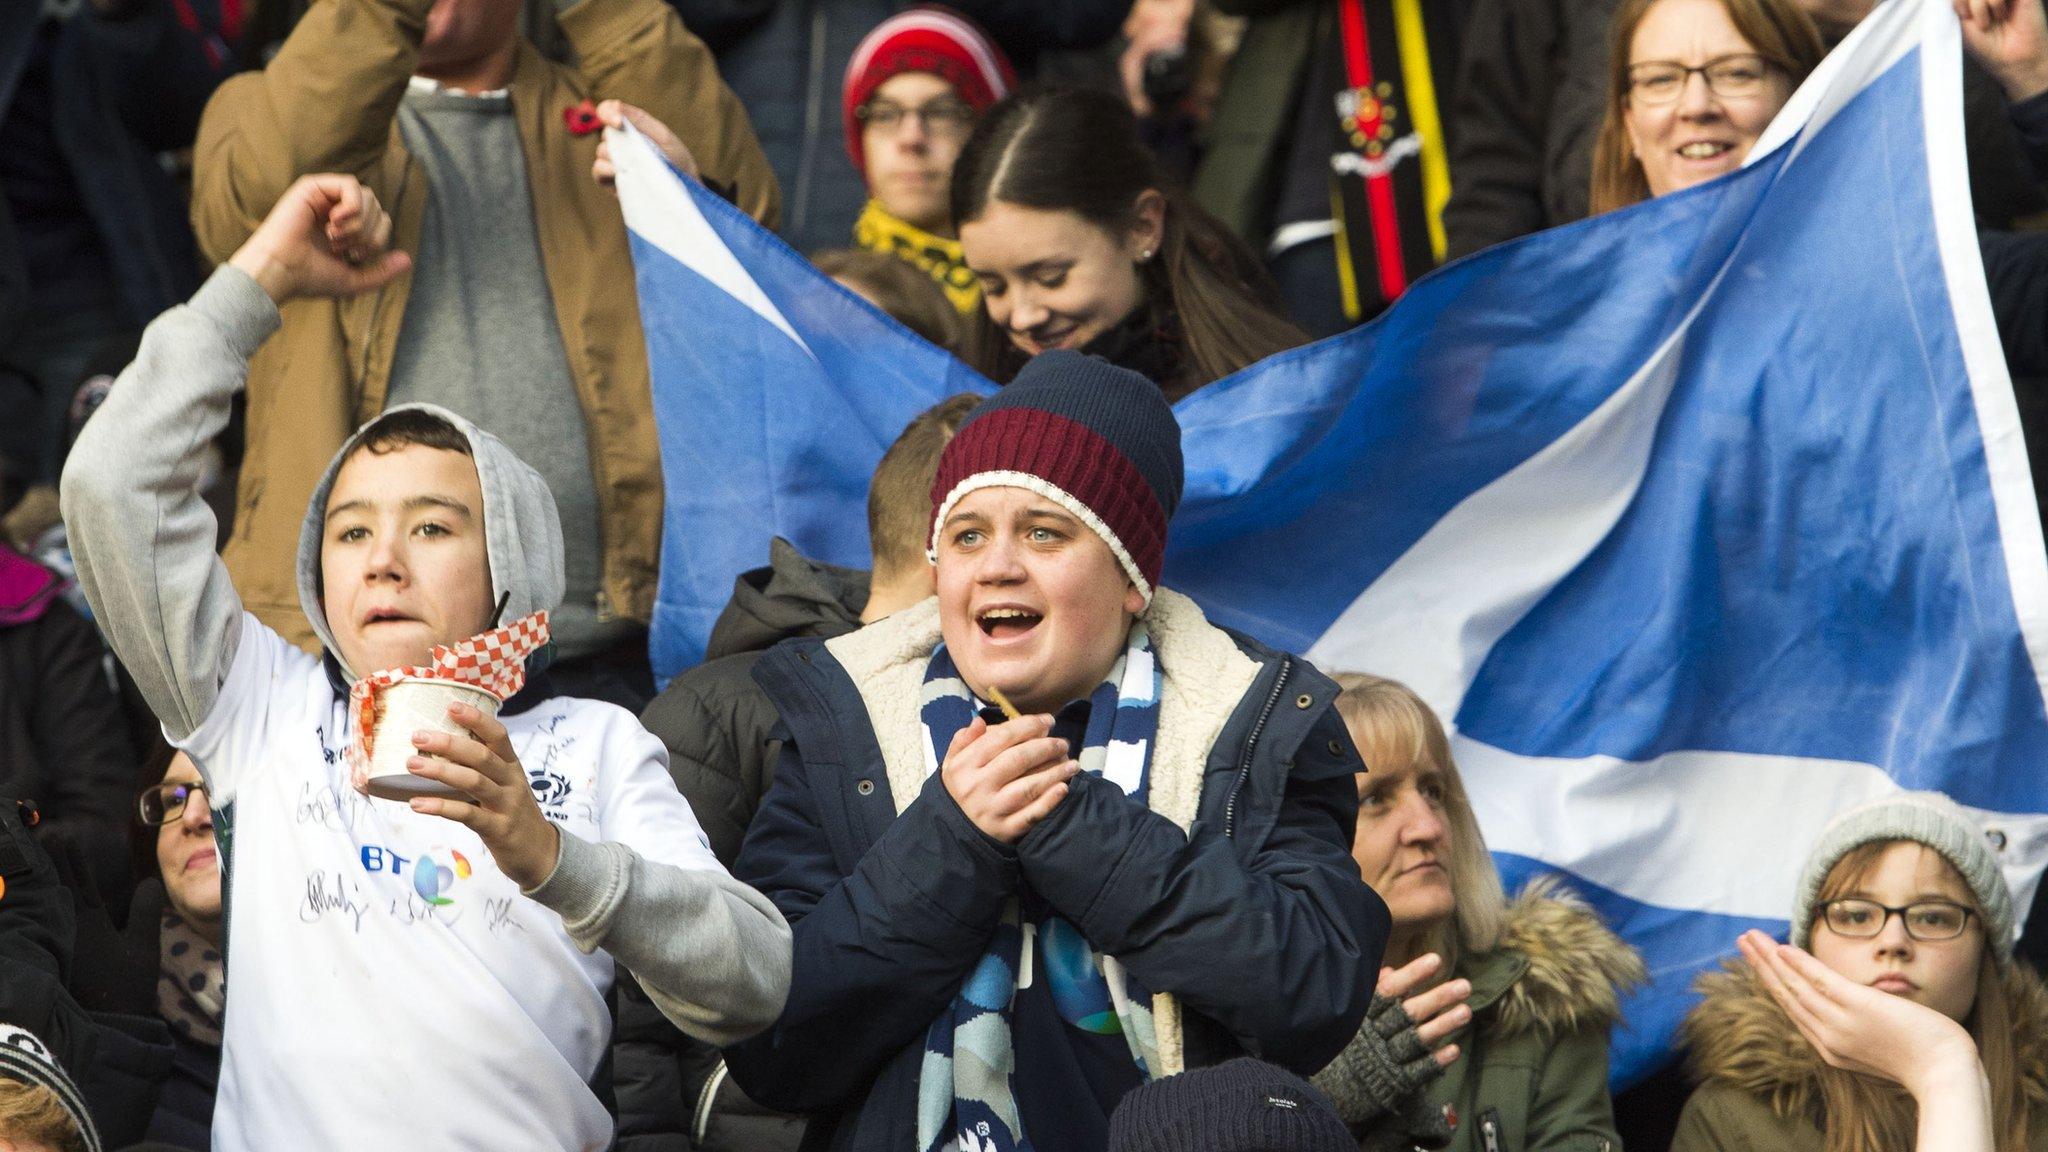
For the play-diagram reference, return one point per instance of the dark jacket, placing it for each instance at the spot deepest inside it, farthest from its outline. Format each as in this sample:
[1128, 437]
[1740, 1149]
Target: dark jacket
[122, 91]
[714, 719]
[1235, 896]
[1248, 134]
[1530, 97]
[1760, 1082]
[717, 723]
[1532, 1065]
[62, 740]
[183, 1116]
[789, 70]
[1252, 134]
[1149, 341]
[118, 1056]
[2016, 273]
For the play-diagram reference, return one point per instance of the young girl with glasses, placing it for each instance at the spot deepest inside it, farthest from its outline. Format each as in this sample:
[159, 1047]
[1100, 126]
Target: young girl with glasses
[1913, 1020]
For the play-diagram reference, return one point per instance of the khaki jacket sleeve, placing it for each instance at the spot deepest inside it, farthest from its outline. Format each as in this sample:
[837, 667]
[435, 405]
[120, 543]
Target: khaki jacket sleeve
[1720, 1119]
[639, 52]
[1570, 1110]
[324, 104]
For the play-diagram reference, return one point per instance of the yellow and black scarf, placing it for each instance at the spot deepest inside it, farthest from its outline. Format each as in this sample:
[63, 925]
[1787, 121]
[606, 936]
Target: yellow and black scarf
[878, 231]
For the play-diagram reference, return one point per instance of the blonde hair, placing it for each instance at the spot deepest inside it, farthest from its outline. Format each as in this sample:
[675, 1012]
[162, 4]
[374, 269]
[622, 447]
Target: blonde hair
[1779, 30]
[1866, 1114]
[1393, 726]
[32, 1114]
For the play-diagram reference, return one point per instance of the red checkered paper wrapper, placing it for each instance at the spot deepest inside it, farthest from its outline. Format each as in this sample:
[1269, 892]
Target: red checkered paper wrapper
[494, 661]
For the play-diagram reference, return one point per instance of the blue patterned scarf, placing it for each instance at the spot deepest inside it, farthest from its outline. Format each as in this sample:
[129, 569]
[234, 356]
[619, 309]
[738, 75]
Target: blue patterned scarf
[967, 1096]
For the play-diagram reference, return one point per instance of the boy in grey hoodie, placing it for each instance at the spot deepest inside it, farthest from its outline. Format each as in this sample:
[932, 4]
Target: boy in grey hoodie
[428, 974]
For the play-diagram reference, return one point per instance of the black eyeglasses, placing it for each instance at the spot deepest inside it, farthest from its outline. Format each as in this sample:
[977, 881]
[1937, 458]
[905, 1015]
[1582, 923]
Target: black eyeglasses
[941, 117]
[165, 802]
[1734, 77]
[1927, 921]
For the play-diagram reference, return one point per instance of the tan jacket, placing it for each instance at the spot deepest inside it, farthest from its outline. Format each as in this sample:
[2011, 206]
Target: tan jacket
[1760, 1081]
[329, 103]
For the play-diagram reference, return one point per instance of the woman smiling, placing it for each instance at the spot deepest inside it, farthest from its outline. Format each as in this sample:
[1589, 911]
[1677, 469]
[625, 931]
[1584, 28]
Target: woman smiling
[1079, 243]
[1694, 84]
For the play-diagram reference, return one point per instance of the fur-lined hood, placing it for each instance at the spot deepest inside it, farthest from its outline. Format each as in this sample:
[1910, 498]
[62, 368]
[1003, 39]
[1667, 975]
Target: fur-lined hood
[1203, 675]
[1739, 1037]
[1557, 970]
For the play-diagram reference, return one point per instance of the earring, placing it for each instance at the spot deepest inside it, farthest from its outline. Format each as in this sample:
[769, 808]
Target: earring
[1144, 256]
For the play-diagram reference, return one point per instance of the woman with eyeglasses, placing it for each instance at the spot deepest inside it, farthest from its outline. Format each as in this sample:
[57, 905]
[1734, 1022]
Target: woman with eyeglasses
[1897, 1017]
[189, 987]
[1692, 86]
[1079, 242]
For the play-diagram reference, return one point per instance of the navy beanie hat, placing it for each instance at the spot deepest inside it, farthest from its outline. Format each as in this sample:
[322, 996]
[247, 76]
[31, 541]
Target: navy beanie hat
[1099, 440]
[1242, 1105]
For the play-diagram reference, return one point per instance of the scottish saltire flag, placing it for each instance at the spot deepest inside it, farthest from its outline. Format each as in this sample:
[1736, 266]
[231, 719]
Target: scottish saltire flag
[775, 394]
[1697, 522]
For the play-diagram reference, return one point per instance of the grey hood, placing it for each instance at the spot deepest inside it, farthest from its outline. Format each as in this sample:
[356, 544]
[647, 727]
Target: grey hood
[522, 529]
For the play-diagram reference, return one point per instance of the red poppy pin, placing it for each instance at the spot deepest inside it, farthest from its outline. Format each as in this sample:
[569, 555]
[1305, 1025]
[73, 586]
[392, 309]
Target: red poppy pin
[581, 118]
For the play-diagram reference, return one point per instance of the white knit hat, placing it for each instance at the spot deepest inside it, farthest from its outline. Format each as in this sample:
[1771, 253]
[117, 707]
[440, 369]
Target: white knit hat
[1928, 818]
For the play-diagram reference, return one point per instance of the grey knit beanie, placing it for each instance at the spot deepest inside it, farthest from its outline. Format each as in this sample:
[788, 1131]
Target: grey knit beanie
[1928, 818]
[29, 1060]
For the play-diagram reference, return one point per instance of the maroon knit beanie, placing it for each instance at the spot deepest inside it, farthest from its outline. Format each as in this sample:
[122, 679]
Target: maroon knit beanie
[1098, 440]
[926, 38]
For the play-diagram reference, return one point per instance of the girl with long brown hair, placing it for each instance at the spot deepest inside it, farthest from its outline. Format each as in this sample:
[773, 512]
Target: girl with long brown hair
[1897, 1012]
[1079, 242]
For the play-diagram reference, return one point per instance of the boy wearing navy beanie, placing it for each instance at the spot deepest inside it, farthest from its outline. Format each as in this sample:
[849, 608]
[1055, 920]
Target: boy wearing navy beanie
[1051, 834]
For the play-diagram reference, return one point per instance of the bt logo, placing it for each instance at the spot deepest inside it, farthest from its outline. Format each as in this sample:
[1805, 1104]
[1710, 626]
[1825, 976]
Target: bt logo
[431, 878]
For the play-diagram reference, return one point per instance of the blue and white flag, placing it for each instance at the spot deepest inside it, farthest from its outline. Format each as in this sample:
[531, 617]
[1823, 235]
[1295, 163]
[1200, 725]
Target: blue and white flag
[775, 394]
[1696, 522]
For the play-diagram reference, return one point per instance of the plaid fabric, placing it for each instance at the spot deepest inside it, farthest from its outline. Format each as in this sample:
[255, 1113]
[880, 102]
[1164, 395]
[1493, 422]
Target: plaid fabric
[494, 661]
[967, 1095]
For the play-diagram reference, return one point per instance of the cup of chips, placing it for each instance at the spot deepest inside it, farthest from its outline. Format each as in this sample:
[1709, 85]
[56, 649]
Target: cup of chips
[406, 706]
[389, 706]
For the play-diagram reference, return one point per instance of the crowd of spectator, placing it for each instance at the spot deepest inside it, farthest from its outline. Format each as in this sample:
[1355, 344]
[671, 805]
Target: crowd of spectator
[320, 349]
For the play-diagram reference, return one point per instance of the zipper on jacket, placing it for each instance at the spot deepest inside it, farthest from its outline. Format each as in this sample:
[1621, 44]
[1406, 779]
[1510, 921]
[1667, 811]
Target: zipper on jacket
[1244, 764]
[1489, 1130]
[707, 1098]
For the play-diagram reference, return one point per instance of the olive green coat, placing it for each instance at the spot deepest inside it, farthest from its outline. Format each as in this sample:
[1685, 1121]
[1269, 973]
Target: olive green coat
[1760, 1081]
[1531, 1074]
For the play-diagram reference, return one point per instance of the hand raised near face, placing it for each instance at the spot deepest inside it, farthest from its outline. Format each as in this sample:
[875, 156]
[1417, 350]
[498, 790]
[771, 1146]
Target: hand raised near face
[1435, 1013]
[327, 236]
[1008, 777]
[1857, 1027]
